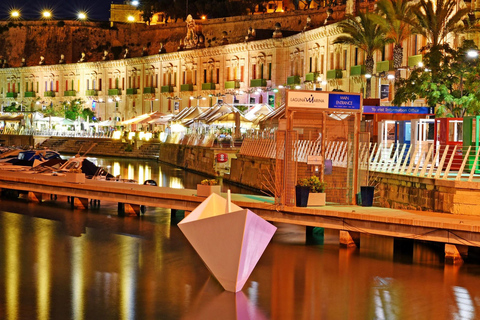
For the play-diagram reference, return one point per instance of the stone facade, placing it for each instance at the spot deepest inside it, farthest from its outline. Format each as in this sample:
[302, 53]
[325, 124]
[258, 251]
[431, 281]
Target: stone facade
[122, 88]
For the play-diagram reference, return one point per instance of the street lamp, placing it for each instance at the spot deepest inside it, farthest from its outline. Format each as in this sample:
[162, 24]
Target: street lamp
[472, 53]
[15, 14]
[198, 98]
[82, 16]
[46, 14]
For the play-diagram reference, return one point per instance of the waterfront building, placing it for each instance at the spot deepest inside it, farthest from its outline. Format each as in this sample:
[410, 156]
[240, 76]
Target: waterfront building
[256, 70]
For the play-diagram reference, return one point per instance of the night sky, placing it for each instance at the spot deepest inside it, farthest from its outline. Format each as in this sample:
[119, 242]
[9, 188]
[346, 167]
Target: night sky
[61, 9]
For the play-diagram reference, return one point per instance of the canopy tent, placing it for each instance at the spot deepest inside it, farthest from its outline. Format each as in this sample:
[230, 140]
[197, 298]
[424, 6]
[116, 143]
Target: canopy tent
[257, 111]
[191, 114]
[11, 117]
[213, 113]
[146, 118]
[162, 120]
[229, 120]
[135, 120]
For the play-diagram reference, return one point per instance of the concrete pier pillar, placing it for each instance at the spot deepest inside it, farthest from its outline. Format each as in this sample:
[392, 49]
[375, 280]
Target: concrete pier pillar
[35, 196]
[349, 239]
[455, 253]
[79, 203]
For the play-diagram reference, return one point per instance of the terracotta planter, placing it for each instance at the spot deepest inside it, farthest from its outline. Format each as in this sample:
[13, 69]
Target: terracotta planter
[316, 199]
[74, 177]
[205, 190]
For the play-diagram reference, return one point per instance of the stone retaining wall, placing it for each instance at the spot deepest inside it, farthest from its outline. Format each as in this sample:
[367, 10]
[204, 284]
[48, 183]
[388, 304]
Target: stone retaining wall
[414, 193]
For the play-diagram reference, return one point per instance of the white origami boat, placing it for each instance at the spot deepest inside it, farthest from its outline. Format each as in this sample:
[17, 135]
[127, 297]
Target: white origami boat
[230, 240]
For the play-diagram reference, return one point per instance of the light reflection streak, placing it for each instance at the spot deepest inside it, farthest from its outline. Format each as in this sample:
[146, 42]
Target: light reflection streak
[383, 299]
[141, 174]
[128, 276]
[466, 309]
[116, 169]
[12, 270]
[44, 235]
[176, 183]
[160, 177]
[76, 262]
[148, 172]
[130, 172]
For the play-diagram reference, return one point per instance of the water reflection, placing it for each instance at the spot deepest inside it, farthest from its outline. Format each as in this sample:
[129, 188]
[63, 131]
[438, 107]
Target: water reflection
[165, 175]
[59, 263]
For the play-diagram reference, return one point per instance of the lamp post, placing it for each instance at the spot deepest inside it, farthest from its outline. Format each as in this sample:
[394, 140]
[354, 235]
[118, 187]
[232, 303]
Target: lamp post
[198, 98]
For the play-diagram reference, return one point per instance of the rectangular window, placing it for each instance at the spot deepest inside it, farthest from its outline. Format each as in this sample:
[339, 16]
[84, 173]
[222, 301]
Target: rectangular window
[242, 73]
[332, 65]
[184, 80]
[46, 86]
[123, 83]
[56, 86]
[110, 83]
[66, 85]
[73, 85]
[156, 80]
[138, 82]
[310, 65]
[8, 87]
[100, 84]
[204, 75]
[218, 75]
[322, 63]
[345, 55]
[383, 53]
[269, 71]
[254, 71]
[356, 57]
[88, 84]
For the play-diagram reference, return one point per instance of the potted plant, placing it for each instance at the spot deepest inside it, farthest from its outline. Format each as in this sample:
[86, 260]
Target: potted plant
[310, 192]
[317, 196]
[75, 176]
[302, 191]
[207, 187]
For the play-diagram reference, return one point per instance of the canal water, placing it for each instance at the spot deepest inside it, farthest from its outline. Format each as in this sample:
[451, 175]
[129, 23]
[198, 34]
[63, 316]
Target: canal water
[60, 263]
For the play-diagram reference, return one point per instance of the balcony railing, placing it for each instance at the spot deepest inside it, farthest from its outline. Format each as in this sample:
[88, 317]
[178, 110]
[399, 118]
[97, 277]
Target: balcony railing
[334, 74]
[235, 84]
[312, 76]
[12, 94]
[49, 94]
[91, 93]
[165, 89]
[385, 66]
[69, 93]
[30, 94]
[258, 82]
[293, 80]
[132, 91]
[149, 90]
[114, 92]
[186, 87]
[357, 70]
[413, 61]
[208, 86]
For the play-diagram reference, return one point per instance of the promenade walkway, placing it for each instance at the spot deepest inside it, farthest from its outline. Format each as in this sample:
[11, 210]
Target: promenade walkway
[351, 220]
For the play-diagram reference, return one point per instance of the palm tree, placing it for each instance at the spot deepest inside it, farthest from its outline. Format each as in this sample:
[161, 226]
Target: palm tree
[365, 34]
[436, 19]
[395, 18]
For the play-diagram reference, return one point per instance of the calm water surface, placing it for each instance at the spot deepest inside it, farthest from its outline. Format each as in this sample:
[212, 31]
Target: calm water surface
[59, 263]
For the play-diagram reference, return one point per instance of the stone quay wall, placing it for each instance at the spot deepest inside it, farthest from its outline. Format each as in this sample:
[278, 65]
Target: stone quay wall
[414, 193]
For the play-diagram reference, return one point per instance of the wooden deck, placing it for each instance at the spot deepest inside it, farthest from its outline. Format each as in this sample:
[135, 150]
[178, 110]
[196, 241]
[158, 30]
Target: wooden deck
[419, 225]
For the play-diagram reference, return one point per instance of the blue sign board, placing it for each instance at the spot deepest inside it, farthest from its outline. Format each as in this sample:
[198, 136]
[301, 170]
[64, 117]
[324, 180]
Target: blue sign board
[344, 101]
[393, 109]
